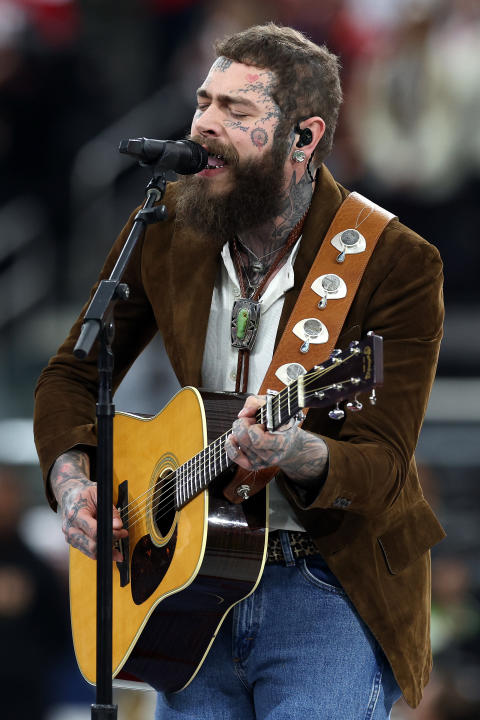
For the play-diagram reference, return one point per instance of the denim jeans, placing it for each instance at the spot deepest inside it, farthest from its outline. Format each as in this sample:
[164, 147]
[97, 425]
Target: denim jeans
[294, 650]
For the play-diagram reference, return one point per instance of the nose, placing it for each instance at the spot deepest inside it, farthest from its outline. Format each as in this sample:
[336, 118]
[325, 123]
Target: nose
[208, 122]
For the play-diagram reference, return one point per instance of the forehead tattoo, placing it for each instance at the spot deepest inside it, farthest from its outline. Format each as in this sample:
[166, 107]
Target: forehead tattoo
[255, 89]
[221, 64]
[262, 84]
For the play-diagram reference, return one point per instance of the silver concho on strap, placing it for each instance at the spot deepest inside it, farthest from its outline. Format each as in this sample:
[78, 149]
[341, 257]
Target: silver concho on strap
[329, 286]
[349, 242]
[289, 372]
[311, 331]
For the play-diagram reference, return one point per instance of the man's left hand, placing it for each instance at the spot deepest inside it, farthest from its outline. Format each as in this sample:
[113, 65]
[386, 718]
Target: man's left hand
[300, 454]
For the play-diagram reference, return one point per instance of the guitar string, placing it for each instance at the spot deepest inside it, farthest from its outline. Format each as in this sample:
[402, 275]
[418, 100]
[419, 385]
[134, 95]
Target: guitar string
[315, 376]
[198, 467]
[167, 498]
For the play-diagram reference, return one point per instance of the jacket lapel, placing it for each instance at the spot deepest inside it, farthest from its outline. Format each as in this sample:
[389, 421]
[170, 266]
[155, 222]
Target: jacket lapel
[194, 263]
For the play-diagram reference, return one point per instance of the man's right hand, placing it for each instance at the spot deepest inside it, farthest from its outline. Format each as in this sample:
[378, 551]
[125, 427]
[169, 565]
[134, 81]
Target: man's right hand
[76, 495]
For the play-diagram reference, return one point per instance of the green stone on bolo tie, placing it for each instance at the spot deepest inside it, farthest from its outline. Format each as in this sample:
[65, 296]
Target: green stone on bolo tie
[242, 320]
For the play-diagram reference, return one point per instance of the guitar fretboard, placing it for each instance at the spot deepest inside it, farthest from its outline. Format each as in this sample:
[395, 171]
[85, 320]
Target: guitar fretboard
[349, 372]
[196, 474]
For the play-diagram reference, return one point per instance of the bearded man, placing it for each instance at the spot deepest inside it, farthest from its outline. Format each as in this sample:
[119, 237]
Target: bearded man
[338, 626]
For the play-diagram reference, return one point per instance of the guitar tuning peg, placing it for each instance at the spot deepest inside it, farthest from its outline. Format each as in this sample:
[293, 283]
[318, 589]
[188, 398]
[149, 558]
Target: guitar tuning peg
[354, 406]
[336, 414]
[373, 397]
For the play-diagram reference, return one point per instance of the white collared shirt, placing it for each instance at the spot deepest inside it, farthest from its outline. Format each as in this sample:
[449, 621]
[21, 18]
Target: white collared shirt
[220, 358]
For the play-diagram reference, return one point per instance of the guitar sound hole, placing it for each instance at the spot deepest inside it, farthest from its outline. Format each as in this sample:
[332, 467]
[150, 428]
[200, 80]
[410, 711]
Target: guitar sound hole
[164, 503]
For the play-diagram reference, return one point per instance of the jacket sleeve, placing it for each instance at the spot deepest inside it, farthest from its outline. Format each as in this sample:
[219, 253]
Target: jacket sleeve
[370, 456]
[66, 392]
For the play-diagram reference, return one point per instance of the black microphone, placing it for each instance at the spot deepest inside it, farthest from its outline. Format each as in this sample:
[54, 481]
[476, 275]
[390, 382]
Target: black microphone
[182, 156]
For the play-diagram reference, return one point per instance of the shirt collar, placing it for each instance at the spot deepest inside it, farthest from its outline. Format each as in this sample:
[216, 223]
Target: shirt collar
[278, 286]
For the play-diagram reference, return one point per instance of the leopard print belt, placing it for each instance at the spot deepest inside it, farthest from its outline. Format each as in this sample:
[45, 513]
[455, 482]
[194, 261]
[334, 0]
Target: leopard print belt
[301, 543]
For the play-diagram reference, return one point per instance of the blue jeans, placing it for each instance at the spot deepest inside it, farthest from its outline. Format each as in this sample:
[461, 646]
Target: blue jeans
[294, 650]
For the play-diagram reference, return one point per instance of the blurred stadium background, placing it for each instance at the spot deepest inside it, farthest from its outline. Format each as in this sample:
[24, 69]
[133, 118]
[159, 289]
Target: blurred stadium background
[75, 78]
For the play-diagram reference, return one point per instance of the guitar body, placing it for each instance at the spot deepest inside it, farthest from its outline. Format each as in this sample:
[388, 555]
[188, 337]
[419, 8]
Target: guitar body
[184, 569]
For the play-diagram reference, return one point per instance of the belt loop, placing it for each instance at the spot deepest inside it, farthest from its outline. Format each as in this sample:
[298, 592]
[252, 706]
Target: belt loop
[286, 548]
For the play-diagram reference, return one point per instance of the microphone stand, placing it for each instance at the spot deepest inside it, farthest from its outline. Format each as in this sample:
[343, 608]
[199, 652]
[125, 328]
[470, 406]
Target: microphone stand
[99, 321]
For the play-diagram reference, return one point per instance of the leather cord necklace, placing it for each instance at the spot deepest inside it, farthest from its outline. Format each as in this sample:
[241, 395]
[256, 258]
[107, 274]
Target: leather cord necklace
[246, 310]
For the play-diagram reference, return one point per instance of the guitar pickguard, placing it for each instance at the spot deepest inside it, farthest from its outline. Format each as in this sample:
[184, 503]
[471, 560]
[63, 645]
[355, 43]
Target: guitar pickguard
[149, 566]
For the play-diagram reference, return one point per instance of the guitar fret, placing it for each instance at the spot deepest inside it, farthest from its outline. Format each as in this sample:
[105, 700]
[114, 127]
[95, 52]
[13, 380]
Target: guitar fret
[180, 484]
[190, 480]
[184, 482]
[288, 400]
[177, 481]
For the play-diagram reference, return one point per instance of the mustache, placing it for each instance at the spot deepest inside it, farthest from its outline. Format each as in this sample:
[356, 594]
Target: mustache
[215, 147]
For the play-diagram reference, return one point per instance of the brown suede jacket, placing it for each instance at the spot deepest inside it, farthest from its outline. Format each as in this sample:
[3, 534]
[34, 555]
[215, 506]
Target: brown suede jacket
[377, 543]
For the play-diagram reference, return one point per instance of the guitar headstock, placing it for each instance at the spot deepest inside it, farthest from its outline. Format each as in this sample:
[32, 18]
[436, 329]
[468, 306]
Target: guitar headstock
[345, 374]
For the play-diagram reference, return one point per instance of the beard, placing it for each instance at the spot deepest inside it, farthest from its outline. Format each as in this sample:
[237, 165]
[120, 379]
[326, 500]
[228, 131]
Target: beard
[254, 197]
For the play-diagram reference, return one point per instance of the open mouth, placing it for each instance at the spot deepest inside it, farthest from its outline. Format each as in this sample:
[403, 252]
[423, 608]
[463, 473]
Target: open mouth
[216, 162]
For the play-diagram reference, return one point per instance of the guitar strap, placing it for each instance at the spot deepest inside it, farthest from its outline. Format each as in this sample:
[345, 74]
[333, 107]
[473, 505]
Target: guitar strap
[339, 265]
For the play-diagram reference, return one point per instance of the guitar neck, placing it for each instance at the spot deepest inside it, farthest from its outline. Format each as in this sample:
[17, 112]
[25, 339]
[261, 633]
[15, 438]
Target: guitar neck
[196, 474]
[344, 374]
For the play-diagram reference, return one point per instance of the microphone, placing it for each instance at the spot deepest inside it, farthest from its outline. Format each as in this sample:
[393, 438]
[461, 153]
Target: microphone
[182, 156]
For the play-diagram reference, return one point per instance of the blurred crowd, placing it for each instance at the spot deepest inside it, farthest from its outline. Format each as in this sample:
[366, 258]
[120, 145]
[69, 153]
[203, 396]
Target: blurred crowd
[409, 134]
[409, 137]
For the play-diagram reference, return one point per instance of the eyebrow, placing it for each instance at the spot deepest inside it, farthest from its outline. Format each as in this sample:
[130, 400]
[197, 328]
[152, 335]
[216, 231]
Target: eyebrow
[228, 99]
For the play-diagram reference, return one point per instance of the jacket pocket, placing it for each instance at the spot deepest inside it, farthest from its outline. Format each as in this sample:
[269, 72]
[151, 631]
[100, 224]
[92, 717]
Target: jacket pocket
[415, 532]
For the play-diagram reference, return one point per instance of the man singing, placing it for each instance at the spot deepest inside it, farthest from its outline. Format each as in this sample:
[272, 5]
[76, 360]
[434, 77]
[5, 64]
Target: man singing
[338, 626]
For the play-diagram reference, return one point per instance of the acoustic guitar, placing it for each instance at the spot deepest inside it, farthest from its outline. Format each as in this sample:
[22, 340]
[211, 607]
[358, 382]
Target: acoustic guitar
[190, 555]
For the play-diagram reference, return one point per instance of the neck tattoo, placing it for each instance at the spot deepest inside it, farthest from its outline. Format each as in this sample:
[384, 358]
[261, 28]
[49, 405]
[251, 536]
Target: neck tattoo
[256, 264]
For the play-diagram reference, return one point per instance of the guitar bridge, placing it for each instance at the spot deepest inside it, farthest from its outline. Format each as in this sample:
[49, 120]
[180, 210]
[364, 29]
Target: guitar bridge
[123, 544]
